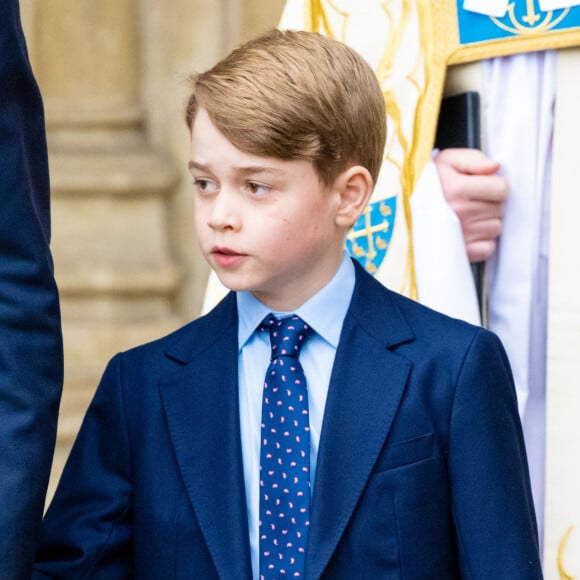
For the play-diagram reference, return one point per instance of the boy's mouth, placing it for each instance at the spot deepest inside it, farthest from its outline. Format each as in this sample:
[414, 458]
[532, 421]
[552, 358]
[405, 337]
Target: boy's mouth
[227, 256]
[225, 251]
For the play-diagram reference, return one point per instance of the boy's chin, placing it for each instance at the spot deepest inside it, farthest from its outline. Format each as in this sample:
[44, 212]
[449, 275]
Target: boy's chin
[230, 283]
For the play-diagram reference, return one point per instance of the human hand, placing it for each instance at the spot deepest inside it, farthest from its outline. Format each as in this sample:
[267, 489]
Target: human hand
[477, 195]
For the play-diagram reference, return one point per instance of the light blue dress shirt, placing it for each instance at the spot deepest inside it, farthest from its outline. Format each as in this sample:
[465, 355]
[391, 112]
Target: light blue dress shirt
[325, 313]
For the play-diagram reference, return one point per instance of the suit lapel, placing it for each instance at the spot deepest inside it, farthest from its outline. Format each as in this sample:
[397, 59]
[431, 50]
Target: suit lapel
[201, 406]
[366, 387]
[362, 402]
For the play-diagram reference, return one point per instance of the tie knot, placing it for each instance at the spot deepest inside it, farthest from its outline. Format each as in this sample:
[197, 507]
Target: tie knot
[287, 335]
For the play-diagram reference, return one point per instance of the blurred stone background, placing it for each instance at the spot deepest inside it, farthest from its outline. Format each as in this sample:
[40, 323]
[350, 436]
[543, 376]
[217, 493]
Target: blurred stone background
[113, 78]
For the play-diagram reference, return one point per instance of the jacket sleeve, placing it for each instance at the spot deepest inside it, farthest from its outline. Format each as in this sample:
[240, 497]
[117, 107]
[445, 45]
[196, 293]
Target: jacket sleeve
[491, 496]
[31, 356]
[87, 531]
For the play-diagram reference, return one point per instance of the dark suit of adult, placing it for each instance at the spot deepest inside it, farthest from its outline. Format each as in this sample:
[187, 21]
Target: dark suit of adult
[421, 467]
[30, 336]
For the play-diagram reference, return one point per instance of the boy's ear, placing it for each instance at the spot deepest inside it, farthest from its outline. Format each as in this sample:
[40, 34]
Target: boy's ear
[355, 186]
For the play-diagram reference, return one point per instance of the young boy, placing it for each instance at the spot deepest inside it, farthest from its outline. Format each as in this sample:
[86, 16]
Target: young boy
[384, 440]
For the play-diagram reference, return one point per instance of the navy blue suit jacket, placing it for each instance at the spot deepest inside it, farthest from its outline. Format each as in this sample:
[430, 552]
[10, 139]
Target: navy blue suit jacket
[421, 468]
[30, 336]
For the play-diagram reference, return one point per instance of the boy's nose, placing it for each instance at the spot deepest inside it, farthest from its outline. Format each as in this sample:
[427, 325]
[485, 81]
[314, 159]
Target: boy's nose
[224, 214]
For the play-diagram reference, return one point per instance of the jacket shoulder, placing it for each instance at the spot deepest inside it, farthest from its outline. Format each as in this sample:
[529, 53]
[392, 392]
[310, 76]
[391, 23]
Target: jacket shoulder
[194, 337]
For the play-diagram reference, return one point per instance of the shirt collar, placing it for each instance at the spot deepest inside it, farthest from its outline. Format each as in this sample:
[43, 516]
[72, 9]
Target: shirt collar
[326, 320]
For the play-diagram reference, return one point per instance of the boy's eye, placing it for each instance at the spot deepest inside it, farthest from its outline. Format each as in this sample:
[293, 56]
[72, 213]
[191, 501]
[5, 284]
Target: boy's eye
[204, 185]
[258, 188]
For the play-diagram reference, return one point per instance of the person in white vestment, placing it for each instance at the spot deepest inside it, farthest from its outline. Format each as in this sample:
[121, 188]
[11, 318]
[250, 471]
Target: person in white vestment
[517, 104]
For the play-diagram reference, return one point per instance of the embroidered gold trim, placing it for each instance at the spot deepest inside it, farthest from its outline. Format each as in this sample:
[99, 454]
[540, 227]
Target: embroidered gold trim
[561, 549]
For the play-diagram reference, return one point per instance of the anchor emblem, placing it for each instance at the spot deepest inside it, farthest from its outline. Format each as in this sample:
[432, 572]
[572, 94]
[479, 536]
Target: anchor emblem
[523, 19]
[529, 20]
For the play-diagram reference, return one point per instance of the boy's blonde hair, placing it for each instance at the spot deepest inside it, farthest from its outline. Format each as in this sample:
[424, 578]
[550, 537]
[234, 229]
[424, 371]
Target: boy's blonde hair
[296, 95]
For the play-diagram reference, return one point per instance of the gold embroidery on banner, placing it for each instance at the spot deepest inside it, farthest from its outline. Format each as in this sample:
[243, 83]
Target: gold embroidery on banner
[385, 66]
[531, 17]
[523, 43]
[319, 21]
[415, 161]
[561, 549]
[530, 20]
[394, 112]
[367, 232]
[412, 76]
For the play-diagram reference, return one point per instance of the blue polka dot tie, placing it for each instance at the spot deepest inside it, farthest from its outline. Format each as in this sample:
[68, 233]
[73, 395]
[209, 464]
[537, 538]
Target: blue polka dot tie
[285, 454]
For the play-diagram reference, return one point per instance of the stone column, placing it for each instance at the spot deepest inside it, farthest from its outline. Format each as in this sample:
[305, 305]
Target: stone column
[110, 191]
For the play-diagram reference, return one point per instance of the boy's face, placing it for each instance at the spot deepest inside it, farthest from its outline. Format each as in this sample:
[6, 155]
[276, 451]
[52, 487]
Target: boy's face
[263, 224]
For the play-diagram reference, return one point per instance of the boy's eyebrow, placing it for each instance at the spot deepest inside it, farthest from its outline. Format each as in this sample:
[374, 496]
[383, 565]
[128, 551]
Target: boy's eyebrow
[194, 165]
[245, 170]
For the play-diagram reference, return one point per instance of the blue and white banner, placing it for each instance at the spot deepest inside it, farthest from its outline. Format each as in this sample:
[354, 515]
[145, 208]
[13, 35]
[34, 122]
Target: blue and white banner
[489, 20]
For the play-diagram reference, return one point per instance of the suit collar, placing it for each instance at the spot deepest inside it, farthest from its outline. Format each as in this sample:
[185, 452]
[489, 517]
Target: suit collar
[377, 311]
[327, 322]
[209, 329]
